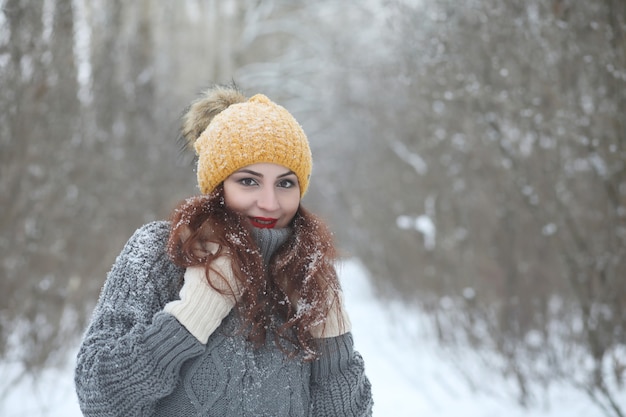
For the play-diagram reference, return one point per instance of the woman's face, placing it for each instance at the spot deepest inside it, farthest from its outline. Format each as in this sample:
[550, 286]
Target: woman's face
[267, 194]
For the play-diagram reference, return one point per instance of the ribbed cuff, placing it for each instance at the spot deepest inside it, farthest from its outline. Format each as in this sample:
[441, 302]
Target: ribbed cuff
[202, 308]
[170, 343]
[336, 353]
[201, 318]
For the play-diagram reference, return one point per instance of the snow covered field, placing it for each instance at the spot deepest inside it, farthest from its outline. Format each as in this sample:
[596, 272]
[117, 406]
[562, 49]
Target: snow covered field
[409, 374]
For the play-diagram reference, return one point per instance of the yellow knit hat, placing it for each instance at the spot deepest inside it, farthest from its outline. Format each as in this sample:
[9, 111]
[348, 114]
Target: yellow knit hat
[252, 132]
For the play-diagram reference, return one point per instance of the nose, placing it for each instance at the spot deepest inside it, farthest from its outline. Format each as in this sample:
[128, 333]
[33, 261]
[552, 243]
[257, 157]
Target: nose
[268, 200]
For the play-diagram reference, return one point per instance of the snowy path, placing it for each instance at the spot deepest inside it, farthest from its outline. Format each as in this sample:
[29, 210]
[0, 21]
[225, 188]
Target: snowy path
[409, 376]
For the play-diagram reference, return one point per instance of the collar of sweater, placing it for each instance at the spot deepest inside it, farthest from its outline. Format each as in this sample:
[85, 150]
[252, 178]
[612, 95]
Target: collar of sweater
[269, 240]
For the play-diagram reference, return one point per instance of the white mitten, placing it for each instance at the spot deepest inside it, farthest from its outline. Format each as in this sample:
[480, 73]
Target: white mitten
[337, 321]
[201, 308]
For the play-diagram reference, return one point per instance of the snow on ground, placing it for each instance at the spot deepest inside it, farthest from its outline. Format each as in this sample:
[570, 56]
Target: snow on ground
[412, 377]
[409, 373]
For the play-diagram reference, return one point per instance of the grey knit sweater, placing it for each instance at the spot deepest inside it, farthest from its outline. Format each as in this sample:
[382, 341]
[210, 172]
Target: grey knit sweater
[137, 360]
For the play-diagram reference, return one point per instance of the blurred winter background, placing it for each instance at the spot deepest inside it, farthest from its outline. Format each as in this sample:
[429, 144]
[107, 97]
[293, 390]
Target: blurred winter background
[470, 155]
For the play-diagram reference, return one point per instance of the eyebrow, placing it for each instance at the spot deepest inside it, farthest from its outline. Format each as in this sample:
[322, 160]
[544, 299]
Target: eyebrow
[258, 174]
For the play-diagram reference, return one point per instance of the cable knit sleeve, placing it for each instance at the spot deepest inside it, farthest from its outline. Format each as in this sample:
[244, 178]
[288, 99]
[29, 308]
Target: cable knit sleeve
[132, 352]
[339, 386]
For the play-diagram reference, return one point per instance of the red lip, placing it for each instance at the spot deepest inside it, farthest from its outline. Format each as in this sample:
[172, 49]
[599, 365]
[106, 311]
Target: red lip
[263, 222]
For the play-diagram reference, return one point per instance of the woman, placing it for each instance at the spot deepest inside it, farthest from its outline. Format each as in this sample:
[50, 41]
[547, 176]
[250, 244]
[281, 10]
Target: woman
[233, 308]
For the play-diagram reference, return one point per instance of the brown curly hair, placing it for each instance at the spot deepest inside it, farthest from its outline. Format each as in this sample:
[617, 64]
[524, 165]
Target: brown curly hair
[299, 285]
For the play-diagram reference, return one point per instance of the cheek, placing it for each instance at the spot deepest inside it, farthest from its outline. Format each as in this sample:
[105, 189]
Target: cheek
[234, 200]
[291, 206]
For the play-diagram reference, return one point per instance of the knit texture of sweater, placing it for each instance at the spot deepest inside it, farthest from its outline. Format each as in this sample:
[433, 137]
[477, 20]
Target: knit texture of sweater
[137, 360]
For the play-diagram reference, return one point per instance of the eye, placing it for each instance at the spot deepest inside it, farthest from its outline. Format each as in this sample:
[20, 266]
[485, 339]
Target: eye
[247, 182]
[286, 183]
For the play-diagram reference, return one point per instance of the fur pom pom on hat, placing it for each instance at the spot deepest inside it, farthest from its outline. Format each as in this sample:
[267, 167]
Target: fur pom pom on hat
[229, 132]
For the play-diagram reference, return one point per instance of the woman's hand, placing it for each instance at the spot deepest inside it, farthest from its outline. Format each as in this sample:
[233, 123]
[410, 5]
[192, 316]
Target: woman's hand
[337, 321]
[201, 307]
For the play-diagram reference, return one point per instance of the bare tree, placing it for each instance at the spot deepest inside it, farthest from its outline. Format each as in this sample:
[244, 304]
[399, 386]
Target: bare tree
[506, 196]
[39, 89]
[91, 96]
